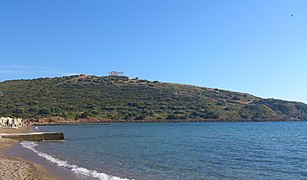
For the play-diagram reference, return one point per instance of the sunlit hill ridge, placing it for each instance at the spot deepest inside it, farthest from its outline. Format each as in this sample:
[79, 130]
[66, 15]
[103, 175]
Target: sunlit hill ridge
[115, 98]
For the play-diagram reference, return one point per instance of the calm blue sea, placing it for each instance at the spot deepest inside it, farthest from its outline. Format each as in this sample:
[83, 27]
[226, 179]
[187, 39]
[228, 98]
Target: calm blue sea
[234, 150]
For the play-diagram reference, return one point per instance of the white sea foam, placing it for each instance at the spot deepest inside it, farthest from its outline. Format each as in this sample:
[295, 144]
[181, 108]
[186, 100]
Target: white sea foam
[74, 168]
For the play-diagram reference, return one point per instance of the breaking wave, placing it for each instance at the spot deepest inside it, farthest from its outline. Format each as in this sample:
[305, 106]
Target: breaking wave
[74, 168]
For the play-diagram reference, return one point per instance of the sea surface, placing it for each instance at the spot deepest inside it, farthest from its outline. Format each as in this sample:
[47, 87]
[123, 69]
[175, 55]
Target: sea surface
[209, 150]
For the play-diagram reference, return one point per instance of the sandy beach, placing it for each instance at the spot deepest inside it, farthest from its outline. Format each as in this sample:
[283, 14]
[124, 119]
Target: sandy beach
[13, 168]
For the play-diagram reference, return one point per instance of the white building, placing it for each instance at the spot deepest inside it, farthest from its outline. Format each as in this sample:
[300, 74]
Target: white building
[10, 122]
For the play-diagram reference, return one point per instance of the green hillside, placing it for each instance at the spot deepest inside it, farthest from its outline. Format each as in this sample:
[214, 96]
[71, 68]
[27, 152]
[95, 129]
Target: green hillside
[121, 98]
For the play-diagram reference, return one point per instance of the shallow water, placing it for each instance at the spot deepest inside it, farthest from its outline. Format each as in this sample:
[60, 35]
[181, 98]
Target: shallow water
[233, 150]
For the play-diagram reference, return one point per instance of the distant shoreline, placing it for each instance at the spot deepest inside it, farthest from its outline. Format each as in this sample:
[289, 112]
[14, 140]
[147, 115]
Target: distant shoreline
[108, 122]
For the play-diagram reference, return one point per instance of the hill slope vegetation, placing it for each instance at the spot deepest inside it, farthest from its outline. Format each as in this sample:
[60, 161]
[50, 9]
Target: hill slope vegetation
[122, 98]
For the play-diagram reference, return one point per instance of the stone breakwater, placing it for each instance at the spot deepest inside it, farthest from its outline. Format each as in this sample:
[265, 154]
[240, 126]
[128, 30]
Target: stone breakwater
[37, 136]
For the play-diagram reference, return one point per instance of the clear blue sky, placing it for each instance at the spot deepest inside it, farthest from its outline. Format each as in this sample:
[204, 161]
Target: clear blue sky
[252, 46]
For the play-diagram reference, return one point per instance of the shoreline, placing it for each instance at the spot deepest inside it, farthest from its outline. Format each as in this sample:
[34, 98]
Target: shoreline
[17, 162]
[13, 167]
[49, 122]
[56, 171]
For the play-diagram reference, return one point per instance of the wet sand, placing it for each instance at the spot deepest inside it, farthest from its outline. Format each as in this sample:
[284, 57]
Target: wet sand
[13, 168]
[56, 171]
[17, 162]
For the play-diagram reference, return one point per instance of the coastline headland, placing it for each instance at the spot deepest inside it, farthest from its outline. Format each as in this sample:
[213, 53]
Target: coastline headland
[122, 98]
